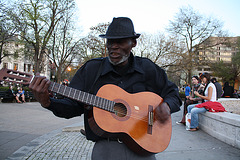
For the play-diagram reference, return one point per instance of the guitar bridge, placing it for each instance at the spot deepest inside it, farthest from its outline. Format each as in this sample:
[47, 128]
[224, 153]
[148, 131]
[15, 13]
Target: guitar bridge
[150, 119]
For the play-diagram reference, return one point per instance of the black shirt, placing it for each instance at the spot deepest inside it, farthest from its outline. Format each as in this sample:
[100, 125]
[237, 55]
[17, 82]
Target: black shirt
[140, 75]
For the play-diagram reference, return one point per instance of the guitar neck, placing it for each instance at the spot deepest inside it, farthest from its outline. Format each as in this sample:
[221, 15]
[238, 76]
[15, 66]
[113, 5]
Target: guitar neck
[83, 97]
[9, 75]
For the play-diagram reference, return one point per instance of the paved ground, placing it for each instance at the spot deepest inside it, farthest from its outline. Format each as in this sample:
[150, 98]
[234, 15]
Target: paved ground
[60, 145]
[22, 123]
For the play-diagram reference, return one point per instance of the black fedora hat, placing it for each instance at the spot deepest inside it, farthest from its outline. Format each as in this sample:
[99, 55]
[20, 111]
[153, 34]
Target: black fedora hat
[121, 27]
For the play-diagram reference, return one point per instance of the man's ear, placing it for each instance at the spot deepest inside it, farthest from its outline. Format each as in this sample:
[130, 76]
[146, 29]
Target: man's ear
[134, 42]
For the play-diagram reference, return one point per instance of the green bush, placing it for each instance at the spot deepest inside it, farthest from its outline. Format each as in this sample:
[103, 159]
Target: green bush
[182, 95]
[14, 88]
[4, 88]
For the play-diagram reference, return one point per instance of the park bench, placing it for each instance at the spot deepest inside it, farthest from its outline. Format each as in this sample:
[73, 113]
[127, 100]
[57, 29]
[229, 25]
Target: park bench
[29, 97]
[6, 97]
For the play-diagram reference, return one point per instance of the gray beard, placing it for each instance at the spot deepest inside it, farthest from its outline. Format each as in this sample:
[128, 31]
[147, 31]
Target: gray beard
[124, 58]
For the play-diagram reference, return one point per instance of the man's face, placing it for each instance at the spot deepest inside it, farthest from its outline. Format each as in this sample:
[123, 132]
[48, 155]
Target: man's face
[194, 80]
[119, 50]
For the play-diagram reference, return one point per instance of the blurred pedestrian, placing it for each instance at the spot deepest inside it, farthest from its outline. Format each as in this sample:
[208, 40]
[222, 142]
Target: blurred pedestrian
[218, 87]
[227, 90]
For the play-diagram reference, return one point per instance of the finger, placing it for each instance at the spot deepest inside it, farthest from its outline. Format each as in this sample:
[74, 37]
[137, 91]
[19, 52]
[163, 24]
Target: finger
[39, 80]
[44, 85]
[34, 80]
[36, 86]
[40, 84]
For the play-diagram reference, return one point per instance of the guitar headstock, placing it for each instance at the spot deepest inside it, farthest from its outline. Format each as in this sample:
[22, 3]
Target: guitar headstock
[9, 75]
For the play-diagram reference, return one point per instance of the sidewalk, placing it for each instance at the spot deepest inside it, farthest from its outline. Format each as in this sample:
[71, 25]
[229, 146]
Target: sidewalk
[68, 143]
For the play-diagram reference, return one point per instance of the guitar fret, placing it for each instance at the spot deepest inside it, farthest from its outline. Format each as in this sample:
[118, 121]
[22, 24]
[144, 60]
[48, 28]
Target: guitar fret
[94, 101]
[87, 98]
[109, 105]
[105, 104]
[97, 102]
[79, 95]
[58, 89]
[64, 90]
[53, 86]
[74, 93]
[69, 92]
[90, 97]
[112, 106]
[101, 102]
[83, 97]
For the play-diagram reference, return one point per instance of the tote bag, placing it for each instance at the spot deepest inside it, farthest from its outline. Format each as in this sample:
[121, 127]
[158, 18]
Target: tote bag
[188, 121]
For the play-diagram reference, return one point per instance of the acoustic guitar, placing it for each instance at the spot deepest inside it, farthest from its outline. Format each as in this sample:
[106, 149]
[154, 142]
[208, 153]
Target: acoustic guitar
[116, 114]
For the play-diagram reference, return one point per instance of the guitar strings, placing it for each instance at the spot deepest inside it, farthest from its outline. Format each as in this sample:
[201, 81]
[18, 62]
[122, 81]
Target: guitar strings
[122, 111]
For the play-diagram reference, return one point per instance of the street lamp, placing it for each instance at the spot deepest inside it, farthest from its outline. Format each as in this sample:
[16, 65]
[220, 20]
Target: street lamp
[69, 69]
[68, 72]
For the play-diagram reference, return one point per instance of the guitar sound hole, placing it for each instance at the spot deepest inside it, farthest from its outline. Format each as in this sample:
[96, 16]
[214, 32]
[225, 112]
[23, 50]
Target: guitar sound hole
[120, 109]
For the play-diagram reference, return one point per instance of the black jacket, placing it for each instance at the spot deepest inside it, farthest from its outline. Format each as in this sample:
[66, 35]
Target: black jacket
[141, 75]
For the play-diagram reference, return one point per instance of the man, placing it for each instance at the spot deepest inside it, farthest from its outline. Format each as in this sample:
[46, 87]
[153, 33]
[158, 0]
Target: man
[187, 91]
[218, 86]
[121, 68]
[192, 99]
[227, 90]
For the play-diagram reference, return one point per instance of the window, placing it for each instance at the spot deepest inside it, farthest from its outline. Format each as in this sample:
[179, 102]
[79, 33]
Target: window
[29, 67]
[15, 66]
[5, 65]
[207, 69]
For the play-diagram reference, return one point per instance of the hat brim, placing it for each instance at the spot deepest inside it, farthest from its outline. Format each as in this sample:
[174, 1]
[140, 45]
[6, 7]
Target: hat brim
[118, 37]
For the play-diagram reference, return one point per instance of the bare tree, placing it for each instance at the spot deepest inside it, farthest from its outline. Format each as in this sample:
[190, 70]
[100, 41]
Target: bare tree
[97, 44]
[161, 50]
[7, 29]
[37, 21]
[193, 28]
[64, 47]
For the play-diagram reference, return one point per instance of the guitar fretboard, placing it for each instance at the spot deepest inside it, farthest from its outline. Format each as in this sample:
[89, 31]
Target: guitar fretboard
[83, 97]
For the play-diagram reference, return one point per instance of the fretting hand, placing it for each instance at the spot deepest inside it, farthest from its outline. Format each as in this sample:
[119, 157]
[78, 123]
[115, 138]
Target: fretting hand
[39, 87]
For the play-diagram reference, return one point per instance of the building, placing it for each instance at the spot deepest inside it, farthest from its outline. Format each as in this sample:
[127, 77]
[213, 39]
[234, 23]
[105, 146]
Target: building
[17, 60]
[215, 49]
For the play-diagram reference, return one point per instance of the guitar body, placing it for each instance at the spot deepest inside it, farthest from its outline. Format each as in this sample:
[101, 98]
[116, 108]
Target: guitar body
[130, 123]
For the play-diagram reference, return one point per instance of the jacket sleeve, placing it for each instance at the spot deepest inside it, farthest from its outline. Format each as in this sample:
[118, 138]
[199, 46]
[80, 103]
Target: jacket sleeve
[68, 108]
[169, 92]
[65, 108]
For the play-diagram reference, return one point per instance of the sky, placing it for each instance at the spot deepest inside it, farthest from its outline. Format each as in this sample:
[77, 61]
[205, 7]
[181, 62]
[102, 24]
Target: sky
[152, 16]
